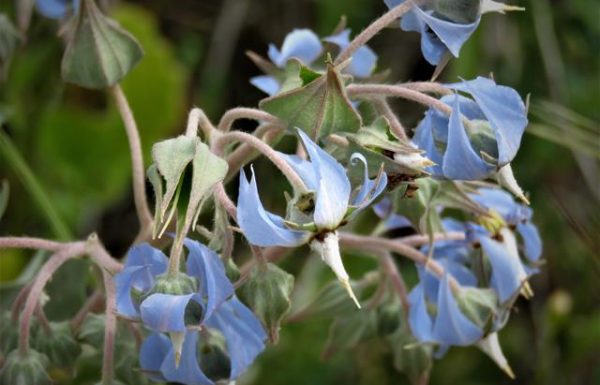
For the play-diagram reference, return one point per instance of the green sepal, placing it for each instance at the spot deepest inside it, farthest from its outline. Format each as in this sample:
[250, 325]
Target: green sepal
[25, 369]
[412, 358]
[458, 11]
[479, 305]
[267, 292]
[59, 345]
[320, 107]
[10, 38]
[99, 52]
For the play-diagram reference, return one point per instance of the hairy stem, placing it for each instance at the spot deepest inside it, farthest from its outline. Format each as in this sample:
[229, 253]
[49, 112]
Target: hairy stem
[383, 107]
[90, 305]
[265, 149]
[137, 160]
[197, 118]
[396, 279]
[245, 113]
[376, 91]
[420, 240]
[376, 26]
[30, 243]
[430, 87]
[110, 330]
[48, 269]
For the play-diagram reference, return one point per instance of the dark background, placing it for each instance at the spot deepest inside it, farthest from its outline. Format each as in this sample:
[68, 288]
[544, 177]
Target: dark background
[195, 55]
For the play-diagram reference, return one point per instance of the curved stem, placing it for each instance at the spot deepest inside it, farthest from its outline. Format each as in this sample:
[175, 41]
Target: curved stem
[376, 26]
[382, 106]
[137, 160]
[89, 306]
[370, 243]
[420, 240]
[110, 330]
[245, 113]
[431, 87]
[30, 243]
[197, 118]
[48, 269]
[265, 149]
[372, 91]
[397, 281]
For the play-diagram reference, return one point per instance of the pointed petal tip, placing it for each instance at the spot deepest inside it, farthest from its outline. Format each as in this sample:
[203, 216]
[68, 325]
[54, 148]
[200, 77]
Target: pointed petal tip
[526, 290]
[177, 340]
[509, 372]
[348, 288]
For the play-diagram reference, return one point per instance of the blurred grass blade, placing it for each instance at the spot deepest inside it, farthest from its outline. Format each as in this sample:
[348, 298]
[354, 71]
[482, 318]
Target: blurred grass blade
[29, 180]
[4, 193]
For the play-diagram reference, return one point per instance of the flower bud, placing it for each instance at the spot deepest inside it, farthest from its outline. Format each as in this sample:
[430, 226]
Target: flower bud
[458, 11]
[25, 369]
[267, 292]
[59, 345]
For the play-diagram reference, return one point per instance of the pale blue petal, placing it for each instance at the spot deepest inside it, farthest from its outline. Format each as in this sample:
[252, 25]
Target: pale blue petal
[244, 335]
[453, 35]
[166, 312]
[451, 326]
[123, 284]
[302, 44]
[392, 221]
[153, 352]
[334, 190]
[496, 199]
[531, 240]
[53, 9]
[371, 188]
[188, 371]
[207, 267]
[431, 282]
[267, 84]
[260, 227]
[461, 162]
[152, 260]
[419, 320]
[508, 271]
[423, 138]
[363, 61]
[504, 109]
[304, 169]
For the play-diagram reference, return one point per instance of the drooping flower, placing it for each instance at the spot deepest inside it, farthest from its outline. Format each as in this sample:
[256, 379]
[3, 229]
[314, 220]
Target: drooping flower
[56, 9]
[314, 216]
[181, 310]
[243, 341]
[481, 135]
[303, 44]
[445, 25]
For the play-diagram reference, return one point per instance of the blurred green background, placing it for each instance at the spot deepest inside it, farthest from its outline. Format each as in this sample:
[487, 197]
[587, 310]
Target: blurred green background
[73, 141]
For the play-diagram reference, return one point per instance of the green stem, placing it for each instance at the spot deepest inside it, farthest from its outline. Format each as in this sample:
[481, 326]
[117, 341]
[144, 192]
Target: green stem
[34, 187]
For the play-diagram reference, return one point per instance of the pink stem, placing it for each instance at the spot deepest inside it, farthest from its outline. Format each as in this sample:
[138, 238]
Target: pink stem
[30, 243]
[110, 330]
[370, 91]
[420, 240]
[245, 113]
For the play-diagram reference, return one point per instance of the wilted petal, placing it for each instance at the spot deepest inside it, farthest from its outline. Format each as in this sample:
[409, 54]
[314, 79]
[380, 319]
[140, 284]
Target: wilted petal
[301, 44]
[508, 273]
[260, 227]
[363, 60]
[333, 191]
[531, 240]
[267, 84]
[153, 352]
[207, 267]
[166, 312]
[504, 109]
[419, 319]
[244, 334]
[188, 371]
[370, 189]
[451, 326]
[461, 162]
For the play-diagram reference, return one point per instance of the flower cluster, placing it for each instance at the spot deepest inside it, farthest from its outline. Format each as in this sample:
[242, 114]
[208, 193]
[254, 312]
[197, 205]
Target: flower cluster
[185, 311]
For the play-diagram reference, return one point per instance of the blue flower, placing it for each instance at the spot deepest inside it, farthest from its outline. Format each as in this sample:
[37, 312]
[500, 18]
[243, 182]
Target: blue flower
[391, 221]
[244, 341]
[438, 36]
[482, 134]
[314, 216]
[163, 302]
[56, 9]
[364, 59]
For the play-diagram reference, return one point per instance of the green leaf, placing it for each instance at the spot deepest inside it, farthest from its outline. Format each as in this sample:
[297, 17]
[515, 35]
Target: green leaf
[347, 331]
[59, 345]
[4, 194]
[320, 107]
[411, 358]
[267, 292]
[100, 53]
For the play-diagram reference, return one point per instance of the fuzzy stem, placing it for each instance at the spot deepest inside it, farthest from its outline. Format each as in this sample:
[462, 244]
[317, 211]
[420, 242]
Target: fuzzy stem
[266, 150]
[30, 243]
[396, 279]
[371, 91]
[376, 26]
[110, 330]
[137, 160]
[245, 113]
[430, 87]
[48, 269]
[223, 199]
[197, 118]
[420, 240]
[369, 243]
[90, 305]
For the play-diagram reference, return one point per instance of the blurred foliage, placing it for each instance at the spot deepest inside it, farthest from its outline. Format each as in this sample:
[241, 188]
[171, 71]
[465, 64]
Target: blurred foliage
[73, 141]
